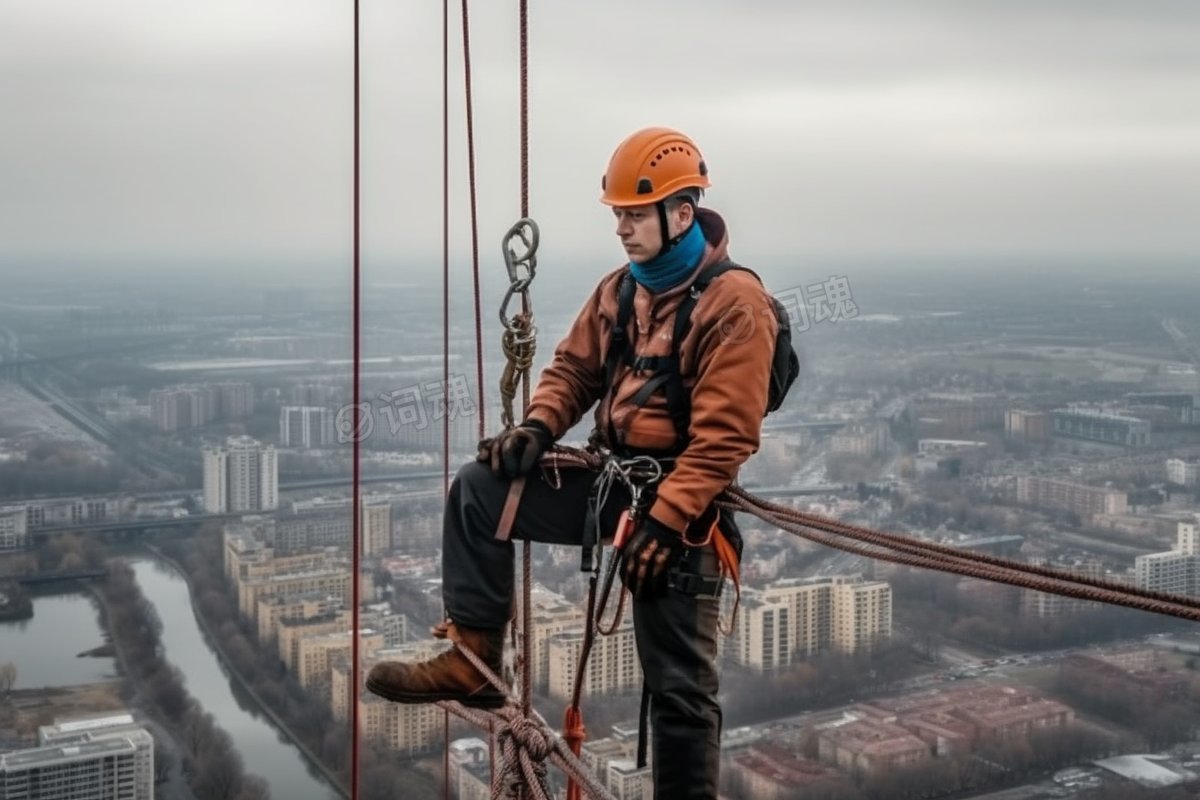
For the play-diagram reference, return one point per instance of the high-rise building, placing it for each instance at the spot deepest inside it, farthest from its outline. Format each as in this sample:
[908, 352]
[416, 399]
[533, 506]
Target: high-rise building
[862, 614]
[103, 758]
[552, 614]
[1027, 426]
[612, 668]
[235, 399]
[798, 617]
[241, 476]
[405, 728]
[1183, 473]
[14, 531]
[171, 409]
[376, 524]
[306, 426]
[1175, 571]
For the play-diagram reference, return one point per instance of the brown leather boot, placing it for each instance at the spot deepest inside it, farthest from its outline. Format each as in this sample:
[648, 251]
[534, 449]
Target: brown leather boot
[446, 676]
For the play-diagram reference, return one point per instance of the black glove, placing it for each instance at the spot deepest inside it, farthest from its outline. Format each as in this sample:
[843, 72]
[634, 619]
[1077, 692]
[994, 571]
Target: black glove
[515, 451]
[648, 557]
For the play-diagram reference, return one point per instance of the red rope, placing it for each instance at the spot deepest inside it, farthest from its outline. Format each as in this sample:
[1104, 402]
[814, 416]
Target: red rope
[470, 119]
[527, 548]
[466, 34]
[445, 327]
[355, 544]
[524, 16]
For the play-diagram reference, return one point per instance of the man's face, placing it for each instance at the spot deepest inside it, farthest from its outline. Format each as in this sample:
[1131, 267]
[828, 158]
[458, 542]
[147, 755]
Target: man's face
[638, 228]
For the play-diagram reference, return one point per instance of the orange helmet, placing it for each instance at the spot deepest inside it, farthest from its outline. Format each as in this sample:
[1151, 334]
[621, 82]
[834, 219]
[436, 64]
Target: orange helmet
[651, 165]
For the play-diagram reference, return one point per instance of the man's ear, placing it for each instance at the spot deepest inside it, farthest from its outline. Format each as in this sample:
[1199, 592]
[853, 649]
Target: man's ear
[687, 212]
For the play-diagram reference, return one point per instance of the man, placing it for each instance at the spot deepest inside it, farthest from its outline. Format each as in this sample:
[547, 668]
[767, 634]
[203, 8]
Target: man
[653, 184]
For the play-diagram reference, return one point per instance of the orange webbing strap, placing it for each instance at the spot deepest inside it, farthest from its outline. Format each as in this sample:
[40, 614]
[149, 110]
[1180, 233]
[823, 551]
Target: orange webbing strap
[508, 514]
[730, 567]
[574, 734]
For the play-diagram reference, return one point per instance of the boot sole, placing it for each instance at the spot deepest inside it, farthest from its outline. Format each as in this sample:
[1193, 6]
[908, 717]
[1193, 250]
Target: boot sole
[480, 700]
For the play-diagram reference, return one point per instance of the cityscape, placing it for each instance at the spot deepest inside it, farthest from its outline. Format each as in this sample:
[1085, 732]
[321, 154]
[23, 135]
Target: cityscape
[176, 582]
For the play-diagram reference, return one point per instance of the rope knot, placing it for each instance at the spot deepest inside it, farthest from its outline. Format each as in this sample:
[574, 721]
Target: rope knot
[525, 733]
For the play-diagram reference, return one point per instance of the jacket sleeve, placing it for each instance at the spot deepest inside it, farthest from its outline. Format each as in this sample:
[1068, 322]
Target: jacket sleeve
[734, 352]
[573, 380]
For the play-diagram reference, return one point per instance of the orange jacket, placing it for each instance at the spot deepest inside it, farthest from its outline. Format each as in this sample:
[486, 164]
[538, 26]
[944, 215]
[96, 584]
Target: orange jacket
[725, 362]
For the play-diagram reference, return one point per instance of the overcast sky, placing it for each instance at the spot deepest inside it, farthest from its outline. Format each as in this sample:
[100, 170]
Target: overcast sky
[137, 131]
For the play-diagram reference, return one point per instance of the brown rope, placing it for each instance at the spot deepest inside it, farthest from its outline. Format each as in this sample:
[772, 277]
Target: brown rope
[1016, 573]
[525, 742]
[519, 346]
[466, 37]
[900, 549]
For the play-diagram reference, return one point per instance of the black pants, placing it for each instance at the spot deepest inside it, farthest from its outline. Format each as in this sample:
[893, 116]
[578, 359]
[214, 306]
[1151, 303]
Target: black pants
[676, 634]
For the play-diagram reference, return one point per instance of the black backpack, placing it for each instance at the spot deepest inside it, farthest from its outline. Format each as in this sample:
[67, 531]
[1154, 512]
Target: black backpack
[785, 365]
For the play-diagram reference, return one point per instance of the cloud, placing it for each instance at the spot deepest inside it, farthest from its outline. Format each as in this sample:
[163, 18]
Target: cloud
[138, 129]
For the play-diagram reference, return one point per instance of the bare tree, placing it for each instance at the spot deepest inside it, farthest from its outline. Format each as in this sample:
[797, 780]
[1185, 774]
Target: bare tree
[8, 676]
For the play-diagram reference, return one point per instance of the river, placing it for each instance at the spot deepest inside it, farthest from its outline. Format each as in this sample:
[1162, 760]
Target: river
[44, 656]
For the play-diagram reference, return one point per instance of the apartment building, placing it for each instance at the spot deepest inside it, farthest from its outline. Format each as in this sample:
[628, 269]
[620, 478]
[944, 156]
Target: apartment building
[14, 530]
[406, 729]
[1081, 499]
[241, 475]
[376, 525]
[335, 580]
[861, 439]
[612, 668]
[280, 608]
[316, 654]
[289, 633]
[98, 758]
[1101, 427]
[1175, 571]
[1183, 473]
[1031, 427]
[1047, 604]
[798, 617]
[306, 426]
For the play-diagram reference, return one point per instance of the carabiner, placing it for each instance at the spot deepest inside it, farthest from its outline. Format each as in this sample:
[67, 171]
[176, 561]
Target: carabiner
[524, 230]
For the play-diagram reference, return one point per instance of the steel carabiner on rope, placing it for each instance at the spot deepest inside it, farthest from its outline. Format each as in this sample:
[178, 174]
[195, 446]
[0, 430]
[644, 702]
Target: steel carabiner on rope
[521, 263]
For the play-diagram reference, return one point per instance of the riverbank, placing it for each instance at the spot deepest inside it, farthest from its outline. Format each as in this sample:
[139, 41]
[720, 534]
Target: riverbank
[24, 710]
[168, 746]
[15, 604]
[215, 642]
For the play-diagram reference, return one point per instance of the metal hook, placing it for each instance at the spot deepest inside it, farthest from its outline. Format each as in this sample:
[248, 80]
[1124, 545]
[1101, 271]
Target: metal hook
[525, 231]
[521, 264]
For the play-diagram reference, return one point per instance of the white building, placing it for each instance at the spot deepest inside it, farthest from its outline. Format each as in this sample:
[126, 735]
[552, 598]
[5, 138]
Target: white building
[798, 617]
[612, 668]
[306, 426]
[1176, 571]
[241, 476]
[103, 758]
[376, 525]
[14, 532]
[1184, 473]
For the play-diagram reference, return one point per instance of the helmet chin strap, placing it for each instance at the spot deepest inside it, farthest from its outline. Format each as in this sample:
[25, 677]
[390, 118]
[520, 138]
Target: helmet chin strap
[668, 242]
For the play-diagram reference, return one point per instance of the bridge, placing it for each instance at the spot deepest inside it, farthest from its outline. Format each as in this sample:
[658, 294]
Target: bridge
[141, 526]
[134, 526]
[57, 577]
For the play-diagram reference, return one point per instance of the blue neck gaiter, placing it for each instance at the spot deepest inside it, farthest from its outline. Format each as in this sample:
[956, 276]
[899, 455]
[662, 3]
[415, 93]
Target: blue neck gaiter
[667, 269]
